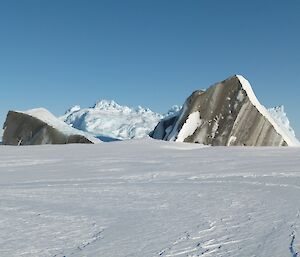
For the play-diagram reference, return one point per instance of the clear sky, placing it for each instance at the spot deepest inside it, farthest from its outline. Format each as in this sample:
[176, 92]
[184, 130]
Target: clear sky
[154, 53]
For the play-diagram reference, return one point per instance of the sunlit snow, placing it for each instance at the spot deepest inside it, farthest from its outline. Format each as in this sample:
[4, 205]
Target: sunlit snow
[147, 198]
[111, 120]
[189, 127]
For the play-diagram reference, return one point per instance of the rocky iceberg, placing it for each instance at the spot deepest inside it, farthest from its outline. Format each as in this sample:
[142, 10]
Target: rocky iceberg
[226, 114]
[39, 126]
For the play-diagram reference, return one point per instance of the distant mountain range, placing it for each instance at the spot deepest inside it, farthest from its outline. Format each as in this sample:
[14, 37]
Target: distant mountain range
[109, 121]
[227, 113]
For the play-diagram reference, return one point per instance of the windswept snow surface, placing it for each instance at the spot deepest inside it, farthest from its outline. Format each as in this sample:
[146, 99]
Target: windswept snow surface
[109, 119]
[147, 198]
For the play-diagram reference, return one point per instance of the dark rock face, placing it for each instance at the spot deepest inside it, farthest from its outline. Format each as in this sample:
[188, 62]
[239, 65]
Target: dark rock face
[227, 114]
[23, 129]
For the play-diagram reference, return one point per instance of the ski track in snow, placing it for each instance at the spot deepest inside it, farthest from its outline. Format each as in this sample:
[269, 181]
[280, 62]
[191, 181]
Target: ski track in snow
[149, 198]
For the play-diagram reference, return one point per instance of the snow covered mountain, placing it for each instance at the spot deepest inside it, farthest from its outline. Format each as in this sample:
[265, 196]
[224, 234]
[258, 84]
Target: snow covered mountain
[39, 126]
[109, 120]
[227, 113]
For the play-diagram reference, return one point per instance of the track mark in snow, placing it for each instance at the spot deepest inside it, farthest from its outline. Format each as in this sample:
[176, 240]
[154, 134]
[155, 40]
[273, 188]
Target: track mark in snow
[292, 249]
[193, 243]
[96, 237]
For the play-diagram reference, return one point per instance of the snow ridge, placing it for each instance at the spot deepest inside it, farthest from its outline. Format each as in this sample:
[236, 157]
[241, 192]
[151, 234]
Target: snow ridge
[288, 137]
[47, 117]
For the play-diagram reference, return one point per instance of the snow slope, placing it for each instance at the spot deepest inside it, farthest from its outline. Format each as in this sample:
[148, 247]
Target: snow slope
[47, 117]
[111, 120]
[147, 198]
[277, 123]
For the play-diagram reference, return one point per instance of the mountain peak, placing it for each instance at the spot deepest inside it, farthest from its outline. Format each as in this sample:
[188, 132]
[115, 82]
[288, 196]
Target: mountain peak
[106, 104]
[108, 118]
[227, 113]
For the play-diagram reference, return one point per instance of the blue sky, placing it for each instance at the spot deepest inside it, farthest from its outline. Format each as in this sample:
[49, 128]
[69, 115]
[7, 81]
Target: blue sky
[58, 53]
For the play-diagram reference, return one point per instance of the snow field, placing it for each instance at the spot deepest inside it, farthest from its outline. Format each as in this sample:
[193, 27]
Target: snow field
[149, 198]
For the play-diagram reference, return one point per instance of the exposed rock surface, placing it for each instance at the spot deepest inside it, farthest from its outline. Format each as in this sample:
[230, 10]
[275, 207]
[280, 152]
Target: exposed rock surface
[39, 126]
[226, 114]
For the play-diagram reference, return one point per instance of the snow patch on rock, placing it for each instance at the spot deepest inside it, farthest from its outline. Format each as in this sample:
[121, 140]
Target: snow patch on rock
[189, 127]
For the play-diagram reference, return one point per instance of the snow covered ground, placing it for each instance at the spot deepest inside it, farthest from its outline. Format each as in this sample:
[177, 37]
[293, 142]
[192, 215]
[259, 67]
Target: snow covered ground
[147, 198]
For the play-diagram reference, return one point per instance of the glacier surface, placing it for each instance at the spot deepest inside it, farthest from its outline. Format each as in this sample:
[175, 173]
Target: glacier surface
[149, 198]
